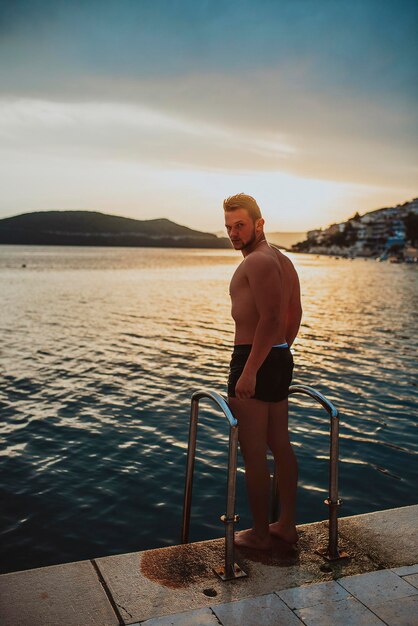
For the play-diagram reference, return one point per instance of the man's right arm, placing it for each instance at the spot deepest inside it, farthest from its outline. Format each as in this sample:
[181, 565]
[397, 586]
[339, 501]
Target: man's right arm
[294, 314]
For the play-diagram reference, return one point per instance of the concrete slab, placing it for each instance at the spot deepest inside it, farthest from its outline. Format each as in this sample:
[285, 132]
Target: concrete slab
[401, 612]
[69, 594]
[377, 587]
[172, 580]
[309, 595]
[180, 578]
[412, 579]
[405, 571]
[201, 617]
[348, 612]
[266, 610]
[389, 537]
[151, 584]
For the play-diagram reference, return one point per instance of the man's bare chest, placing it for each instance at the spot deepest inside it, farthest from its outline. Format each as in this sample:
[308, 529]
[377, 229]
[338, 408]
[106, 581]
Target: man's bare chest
[239, 282]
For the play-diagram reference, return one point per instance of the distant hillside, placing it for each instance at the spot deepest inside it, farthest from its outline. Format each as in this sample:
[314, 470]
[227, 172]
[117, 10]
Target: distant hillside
[91, 228]
[382, 233]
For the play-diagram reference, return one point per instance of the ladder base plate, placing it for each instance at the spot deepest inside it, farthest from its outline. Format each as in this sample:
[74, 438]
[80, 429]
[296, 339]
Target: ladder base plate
[324, 553]
[238, 573]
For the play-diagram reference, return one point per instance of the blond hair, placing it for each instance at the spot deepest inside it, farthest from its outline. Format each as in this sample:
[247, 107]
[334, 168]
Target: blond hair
[242, 201]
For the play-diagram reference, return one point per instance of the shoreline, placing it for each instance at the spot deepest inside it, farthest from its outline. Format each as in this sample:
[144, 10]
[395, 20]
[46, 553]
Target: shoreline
[341, 253]
[139, 586]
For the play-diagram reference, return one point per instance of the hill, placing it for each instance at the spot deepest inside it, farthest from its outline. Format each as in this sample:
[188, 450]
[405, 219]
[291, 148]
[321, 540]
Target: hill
[390, 231]
[91, 228]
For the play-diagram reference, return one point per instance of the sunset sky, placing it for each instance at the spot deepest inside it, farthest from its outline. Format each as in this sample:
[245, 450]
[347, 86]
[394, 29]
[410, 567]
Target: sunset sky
[161, 109]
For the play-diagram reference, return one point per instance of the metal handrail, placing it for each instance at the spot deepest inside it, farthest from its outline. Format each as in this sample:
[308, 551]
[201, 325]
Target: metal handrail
[332, 552]
[231, 569]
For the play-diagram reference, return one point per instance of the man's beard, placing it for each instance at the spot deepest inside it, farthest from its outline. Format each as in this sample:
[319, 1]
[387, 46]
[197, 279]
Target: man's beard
[249, 243]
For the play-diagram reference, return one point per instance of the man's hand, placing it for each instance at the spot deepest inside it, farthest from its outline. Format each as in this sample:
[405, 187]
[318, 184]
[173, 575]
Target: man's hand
[245, 387]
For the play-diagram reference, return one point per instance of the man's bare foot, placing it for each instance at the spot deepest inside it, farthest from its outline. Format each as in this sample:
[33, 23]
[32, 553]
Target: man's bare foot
[288, 534]
[248, 539]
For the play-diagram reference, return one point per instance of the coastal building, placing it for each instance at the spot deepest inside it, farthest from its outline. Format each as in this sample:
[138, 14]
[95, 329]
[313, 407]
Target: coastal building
[334, 228]
[376, 233]
[412, 207]
[312, 235]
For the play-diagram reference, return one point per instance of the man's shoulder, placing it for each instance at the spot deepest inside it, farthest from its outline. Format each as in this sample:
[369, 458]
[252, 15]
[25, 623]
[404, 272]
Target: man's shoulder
[284, 259]
[259, 261]
[262, 262]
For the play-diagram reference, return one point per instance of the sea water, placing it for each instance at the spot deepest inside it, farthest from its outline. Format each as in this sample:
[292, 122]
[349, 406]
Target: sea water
[101, 349]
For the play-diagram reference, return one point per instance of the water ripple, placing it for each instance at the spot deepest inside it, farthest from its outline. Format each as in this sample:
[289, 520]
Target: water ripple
[101, 350]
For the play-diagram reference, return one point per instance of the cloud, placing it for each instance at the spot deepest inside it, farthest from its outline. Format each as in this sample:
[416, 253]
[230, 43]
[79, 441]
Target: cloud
[133, 132]
[313, 89]
[350, 41]
[267, 121]
[284, 92]
[335, 135]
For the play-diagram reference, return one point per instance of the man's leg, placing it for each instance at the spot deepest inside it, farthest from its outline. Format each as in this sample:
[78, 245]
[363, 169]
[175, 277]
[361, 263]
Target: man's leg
[253, 416]
[287, 469]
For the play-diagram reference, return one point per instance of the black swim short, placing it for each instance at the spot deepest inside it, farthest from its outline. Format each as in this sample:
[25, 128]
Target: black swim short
[273, 377]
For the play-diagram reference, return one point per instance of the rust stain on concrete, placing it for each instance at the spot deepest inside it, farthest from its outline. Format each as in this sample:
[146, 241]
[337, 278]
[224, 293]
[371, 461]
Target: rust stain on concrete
[192, 564]
[181, 566]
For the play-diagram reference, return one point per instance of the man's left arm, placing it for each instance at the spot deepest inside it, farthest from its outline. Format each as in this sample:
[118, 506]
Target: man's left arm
[264, 281]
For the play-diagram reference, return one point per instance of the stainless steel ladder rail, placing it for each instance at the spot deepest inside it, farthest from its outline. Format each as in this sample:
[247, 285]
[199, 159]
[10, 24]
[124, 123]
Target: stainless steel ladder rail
[230, 570]
[332, 552]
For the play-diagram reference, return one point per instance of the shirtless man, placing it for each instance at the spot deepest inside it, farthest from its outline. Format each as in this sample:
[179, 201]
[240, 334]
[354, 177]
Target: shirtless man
[266, 308]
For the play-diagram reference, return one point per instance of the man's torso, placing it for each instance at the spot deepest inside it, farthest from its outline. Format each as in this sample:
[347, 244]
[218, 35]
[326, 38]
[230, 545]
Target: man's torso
[244, 307]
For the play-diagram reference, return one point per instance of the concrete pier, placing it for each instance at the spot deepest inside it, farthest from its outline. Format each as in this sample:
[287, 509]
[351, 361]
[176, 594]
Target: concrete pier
[176, 585]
